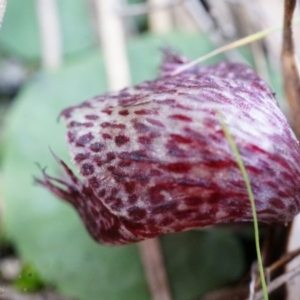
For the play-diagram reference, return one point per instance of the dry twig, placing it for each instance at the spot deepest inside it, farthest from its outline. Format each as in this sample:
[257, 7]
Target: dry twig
[154, 269]
[289, 66]
[292, 92]
[278, 264]
[279, 281]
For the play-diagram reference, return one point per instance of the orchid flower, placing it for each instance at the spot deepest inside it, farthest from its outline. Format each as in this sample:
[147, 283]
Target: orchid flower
[153, 158]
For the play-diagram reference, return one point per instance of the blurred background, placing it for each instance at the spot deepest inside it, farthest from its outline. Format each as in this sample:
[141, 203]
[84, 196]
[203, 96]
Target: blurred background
[57, 53]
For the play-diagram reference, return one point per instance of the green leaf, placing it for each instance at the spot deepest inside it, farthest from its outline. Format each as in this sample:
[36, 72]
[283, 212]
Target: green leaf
[20, 31]
[200, 261]
[145, 56]
[49, 234]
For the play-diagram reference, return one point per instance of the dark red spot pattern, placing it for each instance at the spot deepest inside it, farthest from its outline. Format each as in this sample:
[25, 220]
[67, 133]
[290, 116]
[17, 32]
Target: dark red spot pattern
[136, 213]
[92, 117]
[87, 169]
[84, 139]
[124, 112]
[96, 147]
[120, 140]
[81, 156]
[153, 158]
[180, 118]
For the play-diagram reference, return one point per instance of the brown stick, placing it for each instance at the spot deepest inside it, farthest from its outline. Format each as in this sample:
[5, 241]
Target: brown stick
[284, 260]
[289, 66]
[278, 264]
[292, 92]
[240, 292]
[279, 281]
[154, 268]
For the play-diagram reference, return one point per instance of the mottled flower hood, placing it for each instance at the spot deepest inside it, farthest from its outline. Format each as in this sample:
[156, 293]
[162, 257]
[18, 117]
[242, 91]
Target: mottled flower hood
[154, 159]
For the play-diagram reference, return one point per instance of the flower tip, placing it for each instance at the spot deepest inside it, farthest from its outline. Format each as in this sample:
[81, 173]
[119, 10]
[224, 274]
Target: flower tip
[171, 61]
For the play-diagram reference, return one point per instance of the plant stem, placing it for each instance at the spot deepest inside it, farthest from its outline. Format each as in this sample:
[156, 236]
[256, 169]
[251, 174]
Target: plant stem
[241, 166]
[153, 262]
[244, 41]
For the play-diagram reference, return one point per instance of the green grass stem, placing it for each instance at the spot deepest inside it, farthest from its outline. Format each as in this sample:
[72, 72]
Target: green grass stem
[241, 165]
[241, 42]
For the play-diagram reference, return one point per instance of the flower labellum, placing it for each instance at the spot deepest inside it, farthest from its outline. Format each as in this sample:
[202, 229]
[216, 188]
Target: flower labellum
[154, 159]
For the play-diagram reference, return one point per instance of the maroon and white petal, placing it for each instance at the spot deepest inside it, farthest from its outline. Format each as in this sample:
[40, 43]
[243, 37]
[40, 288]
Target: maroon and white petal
[154, 159]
